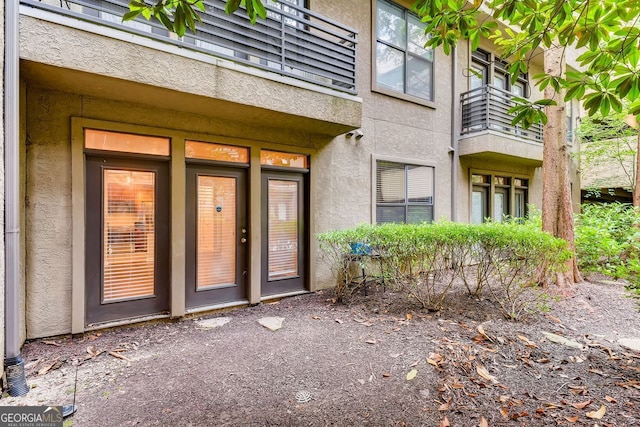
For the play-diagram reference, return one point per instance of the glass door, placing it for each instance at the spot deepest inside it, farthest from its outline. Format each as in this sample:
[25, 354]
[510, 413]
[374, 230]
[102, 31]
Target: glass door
[127, 217]
[283, 232]
[216, 235]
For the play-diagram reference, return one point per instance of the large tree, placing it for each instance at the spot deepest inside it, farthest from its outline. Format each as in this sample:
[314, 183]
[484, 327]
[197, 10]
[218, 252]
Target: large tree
[607, 32]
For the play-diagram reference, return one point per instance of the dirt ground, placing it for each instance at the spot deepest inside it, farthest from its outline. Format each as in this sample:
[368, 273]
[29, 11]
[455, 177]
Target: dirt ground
[376, 361]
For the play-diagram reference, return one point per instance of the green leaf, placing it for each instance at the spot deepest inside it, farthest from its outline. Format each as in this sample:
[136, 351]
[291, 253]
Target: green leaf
[132, 15]
[259, 8]
[232, 6]
[545, 102]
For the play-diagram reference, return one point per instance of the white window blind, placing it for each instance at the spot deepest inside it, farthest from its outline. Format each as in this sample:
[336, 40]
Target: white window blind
[283, 229]
[216, 230]
[404, 193]
[129, 234]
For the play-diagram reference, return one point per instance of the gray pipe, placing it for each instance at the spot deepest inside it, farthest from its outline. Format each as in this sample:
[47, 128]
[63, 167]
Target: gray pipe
[455, 102]
[14, 366]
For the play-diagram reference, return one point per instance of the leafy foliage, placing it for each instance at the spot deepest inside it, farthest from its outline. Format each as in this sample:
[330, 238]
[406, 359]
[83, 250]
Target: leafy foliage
[607, 32]
[179, 15]
[608, 241]
[608, 148]
[427, 262]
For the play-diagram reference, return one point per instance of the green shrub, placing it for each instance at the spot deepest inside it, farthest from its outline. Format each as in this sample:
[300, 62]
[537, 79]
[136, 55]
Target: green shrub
[608, 241]
[428, 261]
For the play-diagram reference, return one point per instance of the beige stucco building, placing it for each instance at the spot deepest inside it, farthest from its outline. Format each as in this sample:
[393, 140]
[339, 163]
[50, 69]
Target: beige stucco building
[164, 176]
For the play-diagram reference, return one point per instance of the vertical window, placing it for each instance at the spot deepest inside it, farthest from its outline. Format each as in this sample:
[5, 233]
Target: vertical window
[402, 63]
[404, 193]
[569, 110]
[484, 64]
[508, 196]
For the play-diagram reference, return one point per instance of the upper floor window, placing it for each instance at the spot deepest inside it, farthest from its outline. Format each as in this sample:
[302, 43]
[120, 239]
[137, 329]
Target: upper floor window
[404, 193]
[402, 63]
[487, 68]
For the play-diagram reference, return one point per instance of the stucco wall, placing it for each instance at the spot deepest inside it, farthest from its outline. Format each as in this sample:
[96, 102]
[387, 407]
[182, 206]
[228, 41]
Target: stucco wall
[48, 211]
[342, 167]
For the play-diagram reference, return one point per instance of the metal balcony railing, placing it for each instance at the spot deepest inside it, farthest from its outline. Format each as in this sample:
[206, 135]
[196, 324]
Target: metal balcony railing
[293, 41]
[485, 108]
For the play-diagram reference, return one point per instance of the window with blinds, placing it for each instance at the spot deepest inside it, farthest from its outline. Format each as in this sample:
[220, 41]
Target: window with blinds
[128, 234]
[216, 231]
[404, 193]
[283, 229]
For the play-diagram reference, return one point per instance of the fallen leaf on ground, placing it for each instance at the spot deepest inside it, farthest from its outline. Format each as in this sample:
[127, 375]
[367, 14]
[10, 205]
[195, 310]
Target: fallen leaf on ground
[527, 341]
[610, 399]
[414, 363]
[315, 317]
[559, 339]
[371, 341]
[386, 375]
[445, 406]
[92, 351]
[572, 419]
[47, 368]
[339, 321]
[484, 422]
[409, 316]
[596, 415]
[445, 422]
[119, 356]
[581, 405]
[504, 412]
[482, 371]
[51, 343]
[483, 333]
[412, 374]
[434, 359]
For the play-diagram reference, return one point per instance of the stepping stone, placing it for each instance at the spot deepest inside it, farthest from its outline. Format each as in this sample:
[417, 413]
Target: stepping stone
[213, 323]
[271, 323]
[630, 343]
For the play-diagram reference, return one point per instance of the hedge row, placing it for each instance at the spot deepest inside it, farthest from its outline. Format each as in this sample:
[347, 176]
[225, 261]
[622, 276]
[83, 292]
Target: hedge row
[426, 262]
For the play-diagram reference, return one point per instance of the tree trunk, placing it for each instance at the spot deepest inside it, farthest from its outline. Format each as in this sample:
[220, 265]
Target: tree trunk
[557, 208]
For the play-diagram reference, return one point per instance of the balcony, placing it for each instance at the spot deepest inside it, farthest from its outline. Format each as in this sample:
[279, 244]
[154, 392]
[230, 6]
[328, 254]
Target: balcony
[293, 41]
[487, 132]
[294, 71]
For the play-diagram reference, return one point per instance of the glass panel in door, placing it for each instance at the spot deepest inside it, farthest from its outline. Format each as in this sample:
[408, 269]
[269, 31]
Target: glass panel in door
[127, 232]
[216, 235]
[283, 234]
[216, 231]
[283, 229]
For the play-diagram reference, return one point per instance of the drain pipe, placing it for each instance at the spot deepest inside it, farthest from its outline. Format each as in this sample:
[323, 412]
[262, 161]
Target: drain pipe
[455, 102]
[13, 363]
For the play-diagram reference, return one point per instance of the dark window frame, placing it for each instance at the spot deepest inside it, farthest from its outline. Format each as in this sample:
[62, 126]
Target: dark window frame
[381, 88]
[513, 188]
[407, 202]
[493, 65]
